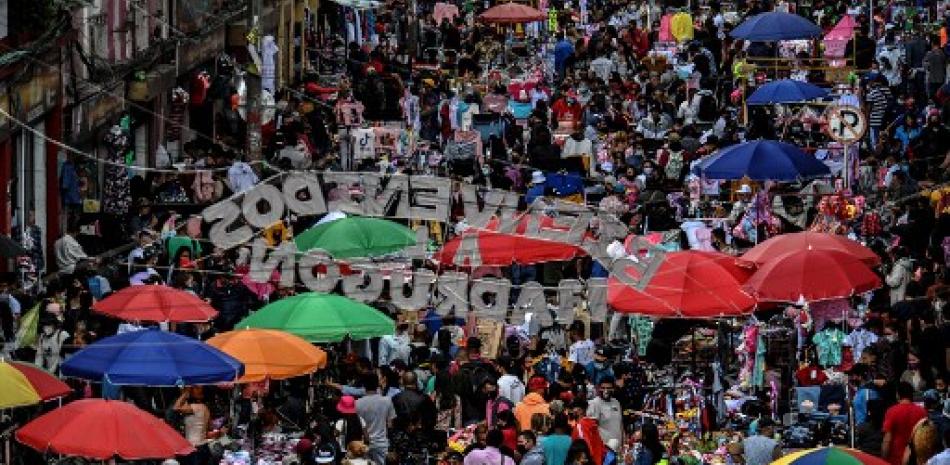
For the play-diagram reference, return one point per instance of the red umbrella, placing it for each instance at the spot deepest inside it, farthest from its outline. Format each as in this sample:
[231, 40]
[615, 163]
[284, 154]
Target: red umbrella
[688, 284]
[102, 429]
[785, 243]
[46, 385]
[498, 249]
[512, 13]
[810, 275]
[155, 303]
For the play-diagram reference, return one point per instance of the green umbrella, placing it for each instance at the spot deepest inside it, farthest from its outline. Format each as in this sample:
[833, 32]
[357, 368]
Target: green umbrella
[319, 317]
[356, 236]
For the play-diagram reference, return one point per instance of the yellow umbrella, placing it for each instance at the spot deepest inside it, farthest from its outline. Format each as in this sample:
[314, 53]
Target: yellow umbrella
[15, 388]
[270, 354]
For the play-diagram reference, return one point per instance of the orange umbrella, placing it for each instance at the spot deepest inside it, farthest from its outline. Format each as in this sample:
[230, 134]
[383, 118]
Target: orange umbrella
[270, 354]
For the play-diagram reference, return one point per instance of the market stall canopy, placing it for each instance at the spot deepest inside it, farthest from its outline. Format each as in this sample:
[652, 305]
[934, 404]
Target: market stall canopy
[318, 317]
[270, 354]
[356, 237]
[152, 357]
[102, 430]
[688, 284]
[155, 303]
[785, 91]
[792, 242]
[10, 248]
[763, 160]
[24, 384]
[830, 456]
[512, 13]
[775, 25]
[811, 275]
[488, 248]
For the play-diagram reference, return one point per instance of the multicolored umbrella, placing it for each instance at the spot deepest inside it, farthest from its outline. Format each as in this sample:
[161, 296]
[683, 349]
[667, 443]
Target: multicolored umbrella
[356, 237]
[101, 430]
[792, 242]
[688, 284]
[319, 317]
[24, 384]
[811, 275]
[830, 456]
[270, 354]
[155, 303]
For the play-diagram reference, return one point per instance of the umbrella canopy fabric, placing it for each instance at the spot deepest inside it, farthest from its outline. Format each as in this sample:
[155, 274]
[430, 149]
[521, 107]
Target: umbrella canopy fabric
[763, 160]
[498, 249]
[776, 25]
[811, 275]
[830, 456]
[512, 13]
[319, 317]
[152, 358]
[10, 248]
[24, 384]
[836, 40]
[788, 243]
[688, 284]
[101, 430]
[785, 91]
[155, 303]
[270, 354]
[15, 389]
[356, 236]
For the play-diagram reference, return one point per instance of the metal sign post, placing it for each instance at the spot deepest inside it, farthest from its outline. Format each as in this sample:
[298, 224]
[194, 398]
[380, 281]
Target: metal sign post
[847, 125]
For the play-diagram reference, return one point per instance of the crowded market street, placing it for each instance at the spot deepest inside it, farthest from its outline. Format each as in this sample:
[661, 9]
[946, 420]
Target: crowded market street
[541, 232]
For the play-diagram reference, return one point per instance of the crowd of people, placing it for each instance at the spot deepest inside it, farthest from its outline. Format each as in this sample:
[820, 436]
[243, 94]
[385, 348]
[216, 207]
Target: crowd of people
[618, 102]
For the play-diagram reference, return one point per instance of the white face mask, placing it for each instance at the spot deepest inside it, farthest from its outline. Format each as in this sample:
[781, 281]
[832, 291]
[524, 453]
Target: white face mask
[48, 330]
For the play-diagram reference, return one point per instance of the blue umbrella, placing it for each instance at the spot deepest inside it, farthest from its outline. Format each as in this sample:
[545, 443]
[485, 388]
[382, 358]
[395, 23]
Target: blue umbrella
[763, 160]
[785, 91]
[152, 358]
[776, 26]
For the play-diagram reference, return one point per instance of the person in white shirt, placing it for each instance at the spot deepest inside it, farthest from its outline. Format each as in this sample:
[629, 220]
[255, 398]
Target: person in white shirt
[68, 251]
[509, 386]
[582, 349]
[396, 346]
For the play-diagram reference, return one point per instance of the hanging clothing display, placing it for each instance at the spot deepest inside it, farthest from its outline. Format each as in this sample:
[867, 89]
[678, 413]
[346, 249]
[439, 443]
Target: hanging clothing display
[681, 27]
[828, 342]
[116, 193]
[268, 70]
[176, 113]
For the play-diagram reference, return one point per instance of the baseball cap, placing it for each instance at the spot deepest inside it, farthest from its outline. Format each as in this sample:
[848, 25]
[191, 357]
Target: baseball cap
[537, 383]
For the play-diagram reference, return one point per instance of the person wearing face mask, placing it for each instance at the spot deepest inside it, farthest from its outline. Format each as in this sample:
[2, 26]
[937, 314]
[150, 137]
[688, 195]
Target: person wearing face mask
[528, 448]
[50, 345]
[914, 374]
[607, 411]
[598, 369]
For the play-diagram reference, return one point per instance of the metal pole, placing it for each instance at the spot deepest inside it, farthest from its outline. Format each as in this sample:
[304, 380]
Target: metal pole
[846, 171]
[253, 84]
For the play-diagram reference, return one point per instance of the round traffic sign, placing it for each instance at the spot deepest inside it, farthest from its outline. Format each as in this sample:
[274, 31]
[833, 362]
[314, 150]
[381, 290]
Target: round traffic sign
[846, 123]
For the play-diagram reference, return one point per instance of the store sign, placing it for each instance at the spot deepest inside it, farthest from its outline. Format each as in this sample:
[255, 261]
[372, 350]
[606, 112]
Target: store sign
[846, 124]
[238, 220]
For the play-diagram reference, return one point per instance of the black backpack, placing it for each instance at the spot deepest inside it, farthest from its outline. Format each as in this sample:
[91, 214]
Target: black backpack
[707, 108]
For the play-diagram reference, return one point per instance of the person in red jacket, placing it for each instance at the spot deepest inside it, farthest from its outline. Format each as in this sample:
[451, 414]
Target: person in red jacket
[587, 429]
[567, 108]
